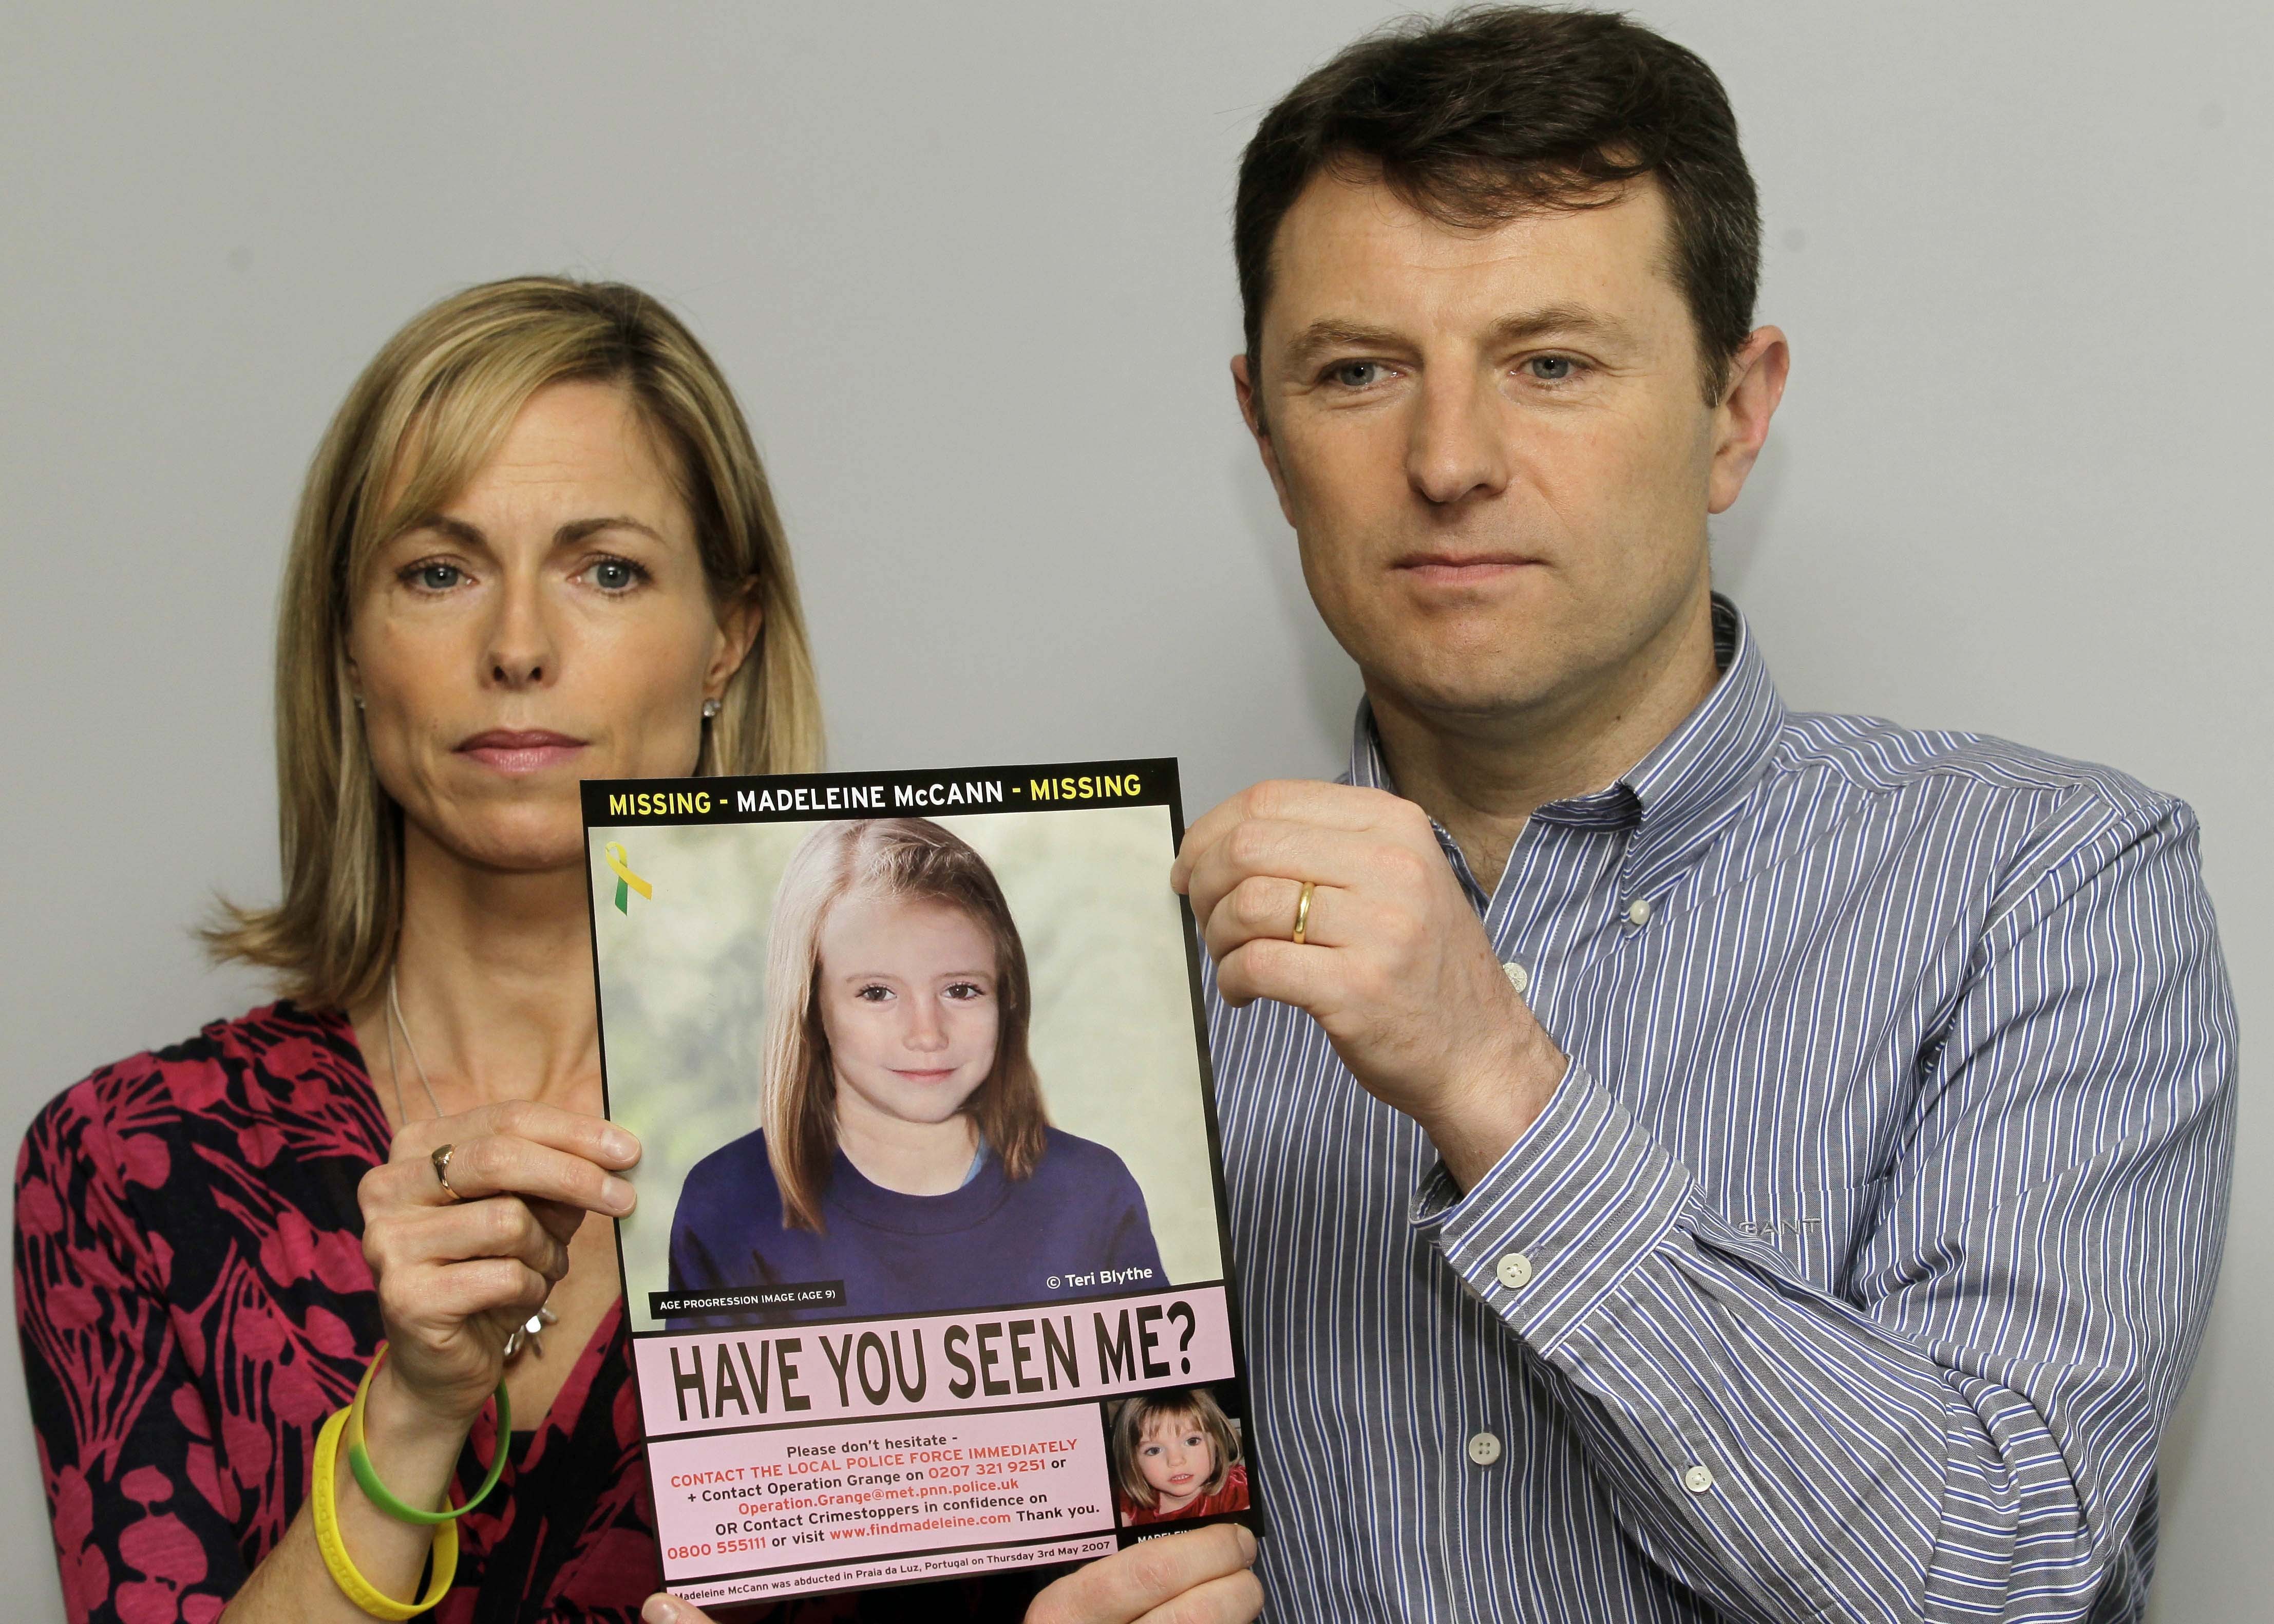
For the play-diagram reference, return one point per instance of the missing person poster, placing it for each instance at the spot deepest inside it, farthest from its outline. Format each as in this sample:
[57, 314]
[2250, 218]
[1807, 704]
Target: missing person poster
[928, 1274]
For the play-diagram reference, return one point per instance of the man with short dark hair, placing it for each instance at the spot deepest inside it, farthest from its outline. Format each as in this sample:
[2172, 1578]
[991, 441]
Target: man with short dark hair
[1688, 1159]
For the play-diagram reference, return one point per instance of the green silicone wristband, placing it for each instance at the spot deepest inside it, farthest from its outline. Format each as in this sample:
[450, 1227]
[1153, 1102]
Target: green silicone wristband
[367, 1476]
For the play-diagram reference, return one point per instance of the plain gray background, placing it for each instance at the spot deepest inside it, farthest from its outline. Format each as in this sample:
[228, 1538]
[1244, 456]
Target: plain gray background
[968, 267]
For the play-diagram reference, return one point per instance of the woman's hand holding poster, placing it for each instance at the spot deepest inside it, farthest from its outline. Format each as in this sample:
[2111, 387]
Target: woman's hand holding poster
[929, 1273]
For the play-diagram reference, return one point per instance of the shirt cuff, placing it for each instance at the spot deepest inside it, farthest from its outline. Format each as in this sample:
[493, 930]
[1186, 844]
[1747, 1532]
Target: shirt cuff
[1559, 1221]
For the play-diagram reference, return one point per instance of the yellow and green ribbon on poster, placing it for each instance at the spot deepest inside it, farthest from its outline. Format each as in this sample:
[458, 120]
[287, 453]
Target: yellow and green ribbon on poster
[627, 881]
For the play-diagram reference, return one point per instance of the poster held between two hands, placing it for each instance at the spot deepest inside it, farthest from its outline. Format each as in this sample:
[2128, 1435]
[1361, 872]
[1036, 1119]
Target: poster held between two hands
[928, 1274]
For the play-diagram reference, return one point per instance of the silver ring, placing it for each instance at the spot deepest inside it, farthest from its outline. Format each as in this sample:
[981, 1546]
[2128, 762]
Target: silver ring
[442, 1160]
[530, 1334]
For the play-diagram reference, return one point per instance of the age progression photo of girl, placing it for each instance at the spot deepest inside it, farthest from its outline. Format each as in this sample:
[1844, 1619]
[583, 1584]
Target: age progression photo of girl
[893, 1065]
[906, 1153]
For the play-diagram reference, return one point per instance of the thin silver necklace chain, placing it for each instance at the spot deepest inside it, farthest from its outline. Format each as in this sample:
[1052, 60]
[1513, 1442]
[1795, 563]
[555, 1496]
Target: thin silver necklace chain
[531, 1332]
[394, 1020]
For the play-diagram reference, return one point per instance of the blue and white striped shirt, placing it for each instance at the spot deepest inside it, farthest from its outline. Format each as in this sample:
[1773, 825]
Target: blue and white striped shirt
[1857, 1264]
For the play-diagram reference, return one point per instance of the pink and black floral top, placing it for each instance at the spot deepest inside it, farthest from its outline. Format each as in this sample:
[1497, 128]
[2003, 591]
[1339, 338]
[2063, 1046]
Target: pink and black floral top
[193, 1302]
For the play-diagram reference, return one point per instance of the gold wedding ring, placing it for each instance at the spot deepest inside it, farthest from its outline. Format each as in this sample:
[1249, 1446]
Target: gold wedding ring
[1303, 914]
[442, 1160]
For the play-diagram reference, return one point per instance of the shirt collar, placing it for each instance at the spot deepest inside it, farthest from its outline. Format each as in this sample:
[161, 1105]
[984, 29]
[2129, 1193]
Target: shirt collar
[1676, 797]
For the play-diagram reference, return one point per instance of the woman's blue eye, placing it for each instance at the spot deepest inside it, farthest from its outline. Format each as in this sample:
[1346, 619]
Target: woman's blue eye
[614, 574]
[437, 577]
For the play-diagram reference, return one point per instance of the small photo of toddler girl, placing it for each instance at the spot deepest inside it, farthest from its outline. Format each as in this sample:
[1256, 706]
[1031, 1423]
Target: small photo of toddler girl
[1176, 1454]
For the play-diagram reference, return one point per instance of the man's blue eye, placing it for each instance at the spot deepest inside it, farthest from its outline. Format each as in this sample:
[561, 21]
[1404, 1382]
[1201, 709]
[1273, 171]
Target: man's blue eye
[1550, 369]
[1357, 375]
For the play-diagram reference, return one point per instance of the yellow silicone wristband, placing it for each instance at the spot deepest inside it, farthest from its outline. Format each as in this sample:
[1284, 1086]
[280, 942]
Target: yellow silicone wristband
[352, 1584]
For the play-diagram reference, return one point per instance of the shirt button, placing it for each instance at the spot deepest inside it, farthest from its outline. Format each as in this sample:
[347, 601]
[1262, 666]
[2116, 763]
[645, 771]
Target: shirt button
[1518, 977]
[1515, 1271]
[1484, 1449]
[1698, 1480]
[1638, 912]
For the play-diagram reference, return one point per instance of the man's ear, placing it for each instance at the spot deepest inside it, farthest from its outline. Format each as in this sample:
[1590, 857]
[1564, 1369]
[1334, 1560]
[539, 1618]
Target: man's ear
[1741, 421]
[1251, 412]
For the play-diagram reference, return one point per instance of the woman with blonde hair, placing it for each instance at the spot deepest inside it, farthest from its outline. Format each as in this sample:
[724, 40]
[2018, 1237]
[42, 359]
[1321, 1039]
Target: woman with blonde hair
[906, 1153]
[536, 545]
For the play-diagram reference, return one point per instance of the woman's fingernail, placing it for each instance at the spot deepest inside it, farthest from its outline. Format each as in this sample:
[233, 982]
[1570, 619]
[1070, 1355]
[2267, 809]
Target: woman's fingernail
[620, 1145]
[1246, 1539]
[659, 1610]
[621, 1196]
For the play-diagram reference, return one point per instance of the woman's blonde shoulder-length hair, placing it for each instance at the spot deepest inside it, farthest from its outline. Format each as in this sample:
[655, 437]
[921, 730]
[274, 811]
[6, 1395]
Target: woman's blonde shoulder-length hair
[1196, 1405]
[430, 409]
[905, 859]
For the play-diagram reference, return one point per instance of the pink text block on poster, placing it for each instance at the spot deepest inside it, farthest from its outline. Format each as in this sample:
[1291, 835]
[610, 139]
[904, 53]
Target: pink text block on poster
[794, 1499]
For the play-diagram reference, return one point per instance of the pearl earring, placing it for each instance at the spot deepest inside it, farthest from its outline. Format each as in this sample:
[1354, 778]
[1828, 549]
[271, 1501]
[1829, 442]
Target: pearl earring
[710, 709]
